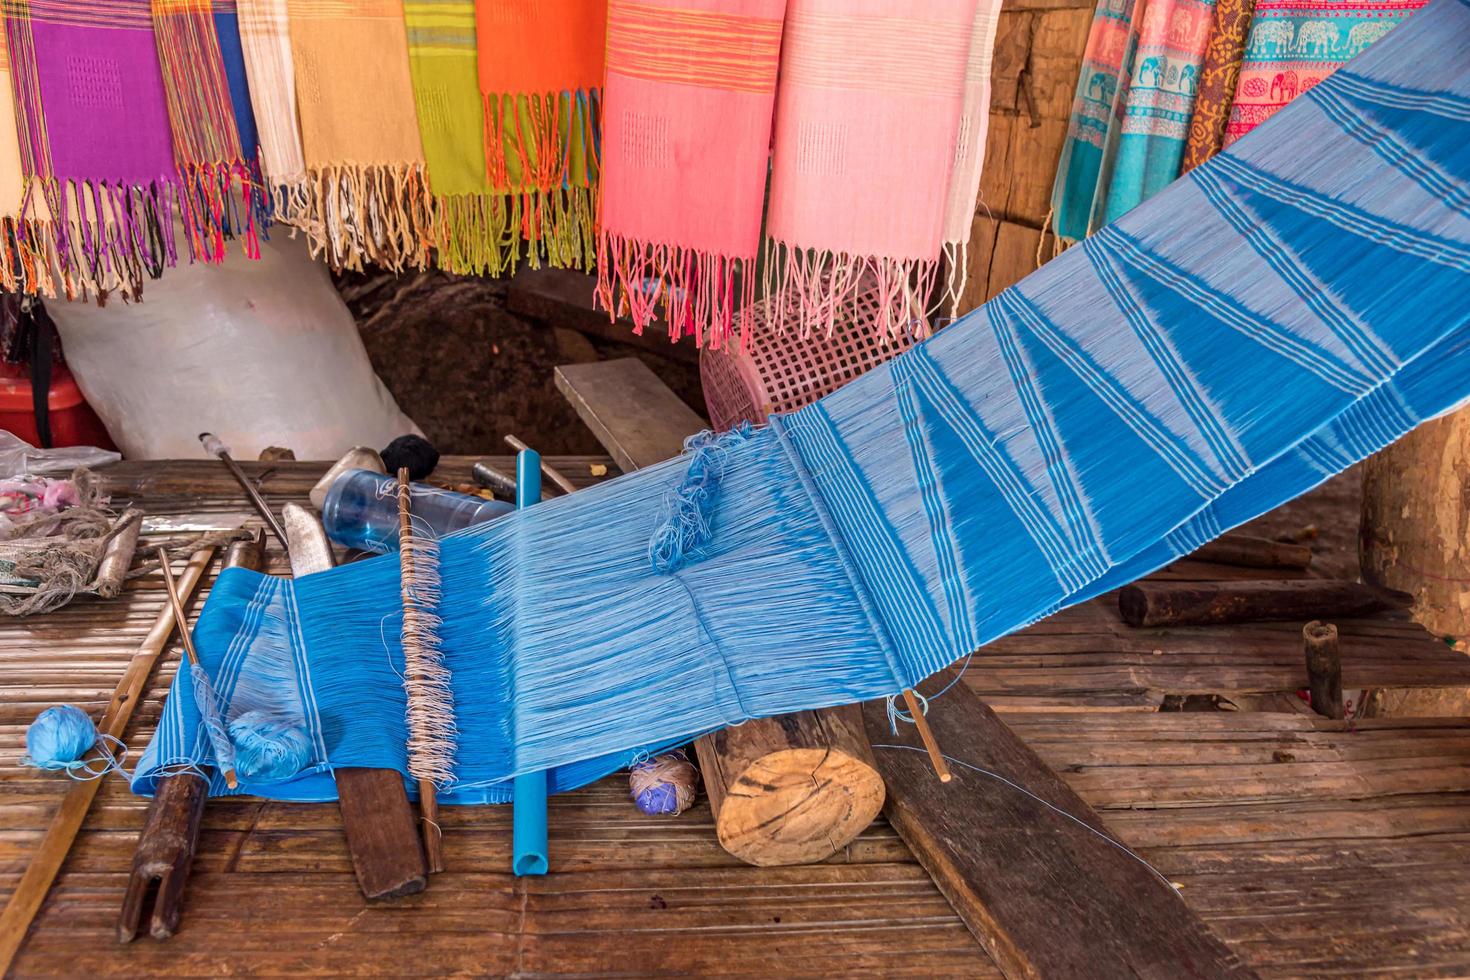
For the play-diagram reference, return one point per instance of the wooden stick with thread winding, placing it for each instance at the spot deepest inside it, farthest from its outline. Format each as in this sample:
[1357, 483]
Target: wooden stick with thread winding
[46, 862]
[428, 800]
[173, 597]
[926, 735]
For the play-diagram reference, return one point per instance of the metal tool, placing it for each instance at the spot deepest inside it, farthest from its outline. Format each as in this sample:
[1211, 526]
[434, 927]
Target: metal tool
[215, 447]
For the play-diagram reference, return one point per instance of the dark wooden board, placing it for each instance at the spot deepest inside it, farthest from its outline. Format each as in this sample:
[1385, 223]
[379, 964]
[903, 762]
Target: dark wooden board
[1048, 896]
[635, 416]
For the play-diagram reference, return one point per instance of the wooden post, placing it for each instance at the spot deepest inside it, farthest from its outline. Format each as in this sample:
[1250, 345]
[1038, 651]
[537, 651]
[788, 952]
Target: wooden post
[1324, 668]
[1415, 531]
[786, 790]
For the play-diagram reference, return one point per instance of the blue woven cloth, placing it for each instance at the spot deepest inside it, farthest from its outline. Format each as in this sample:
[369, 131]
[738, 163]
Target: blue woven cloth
[1277, 314]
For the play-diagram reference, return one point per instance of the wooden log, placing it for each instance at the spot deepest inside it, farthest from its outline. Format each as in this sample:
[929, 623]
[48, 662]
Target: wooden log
[1247, 551]
[377, 818]
[1324, 668]
[1216, 603]
[1047, 893]
[47, 859]
[786, 790]
[165, 849]
[1415, 528]
[783, 789]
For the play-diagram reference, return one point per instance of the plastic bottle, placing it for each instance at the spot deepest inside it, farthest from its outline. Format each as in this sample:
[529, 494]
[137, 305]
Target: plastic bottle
[361, 511]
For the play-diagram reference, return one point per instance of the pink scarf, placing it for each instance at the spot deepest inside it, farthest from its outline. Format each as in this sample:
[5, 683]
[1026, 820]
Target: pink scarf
[866, 119]
[686, 132]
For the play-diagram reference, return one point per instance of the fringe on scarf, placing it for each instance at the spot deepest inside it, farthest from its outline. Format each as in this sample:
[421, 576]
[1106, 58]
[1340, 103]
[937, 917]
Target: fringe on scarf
[105, 237]
[27, 256]
[812, 290]
[377, 213]
[476, 234]
[555, 203]
[217, 181]
[703, 294]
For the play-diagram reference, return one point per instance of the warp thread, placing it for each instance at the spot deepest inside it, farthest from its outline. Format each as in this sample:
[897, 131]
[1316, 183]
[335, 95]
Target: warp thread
[685, 526]
[60, 738]
[663, 784]
[268, 749]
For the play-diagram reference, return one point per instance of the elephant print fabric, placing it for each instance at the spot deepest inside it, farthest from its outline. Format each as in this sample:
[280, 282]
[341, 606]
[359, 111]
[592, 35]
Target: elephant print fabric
[1159, 102]
[1294, 45]
[1218, 75]
[1094, 107]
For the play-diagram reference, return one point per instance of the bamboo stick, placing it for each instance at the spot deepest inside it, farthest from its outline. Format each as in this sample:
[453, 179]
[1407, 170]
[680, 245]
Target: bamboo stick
[26, 900]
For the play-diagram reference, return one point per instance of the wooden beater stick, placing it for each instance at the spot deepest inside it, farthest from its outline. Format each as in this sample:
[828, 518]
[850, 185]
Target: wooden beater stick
[552, 473]
[428, 800]
[926, 735]
[26, 900]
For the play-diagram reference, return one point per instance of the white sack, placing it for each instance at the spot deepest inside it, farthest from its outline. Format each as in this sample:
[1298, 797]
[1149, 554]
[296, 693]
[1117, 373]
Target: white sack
[259, 353]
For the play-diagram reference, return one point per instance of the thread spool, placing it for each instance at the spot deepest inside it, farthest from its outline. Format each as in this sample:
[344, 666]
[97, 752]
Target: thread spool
[664, 784]
[60, 738]
[268, 750]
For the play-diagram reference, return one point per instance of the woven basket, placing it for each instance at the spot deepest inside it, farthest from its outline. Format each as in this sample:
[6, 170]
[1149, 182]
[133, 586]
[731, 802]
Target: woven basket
[781, 371]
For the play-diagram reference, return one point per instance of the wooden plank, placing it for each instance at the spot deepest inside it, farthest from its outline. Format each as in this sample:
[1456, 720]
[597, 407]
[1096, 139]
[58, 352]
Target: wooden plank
[1207, 604]
[563, 298]
[1046, 895]
[631, 412]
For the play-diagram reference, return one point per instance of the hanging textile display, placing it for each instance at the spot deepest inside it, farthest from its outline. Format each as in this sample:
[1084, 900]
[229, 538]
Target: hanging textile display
[366, 188]
[1093, 110]
[686, 143]
[1252, 329]
[1159, 103]
[866, 117]
[540, 78]
[265, 39]
[471, 232]
[94, 139]
[969, 155]
[1219, 72]
[212, 123]
[1295, 44]
[25, 242]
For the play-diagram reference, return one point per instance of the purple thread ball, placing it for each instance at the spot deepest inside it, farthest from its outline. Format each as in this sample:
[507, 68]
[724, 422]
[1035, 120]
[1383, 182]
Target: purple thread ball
[661, 798]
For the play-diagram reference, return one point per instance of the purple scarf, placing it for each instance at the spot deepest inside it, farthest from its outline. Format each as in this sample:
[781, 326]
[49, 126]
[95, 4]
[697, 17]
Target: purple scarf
[94, 137]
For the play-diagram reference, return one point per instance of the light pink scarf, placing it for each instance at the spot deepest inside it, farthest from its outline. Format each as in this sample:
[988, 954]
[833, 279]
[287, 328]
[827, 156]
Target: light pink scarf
[866, 119]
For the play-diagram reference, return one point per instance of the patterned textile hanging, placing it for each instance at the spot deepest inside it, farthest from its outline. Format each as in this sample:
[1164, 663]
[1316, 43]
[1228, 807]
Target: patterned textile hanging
[94, 136]
[1294, 44]
[1218, 75]
[690, 90]
[1093, 109]
[366, 189]
[866, 118]
[540, 78]
[266, 42]
[26, 243]
[969, 154]
[212, 123]
[471, 234]
[1160, 100]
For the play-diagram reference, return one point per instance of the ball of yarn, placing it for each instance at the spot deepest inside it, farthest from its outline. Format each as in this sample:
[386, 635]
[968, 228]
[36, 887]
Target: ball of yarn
[415, 452]
[59, 737]
[664, 784]
[267, 749]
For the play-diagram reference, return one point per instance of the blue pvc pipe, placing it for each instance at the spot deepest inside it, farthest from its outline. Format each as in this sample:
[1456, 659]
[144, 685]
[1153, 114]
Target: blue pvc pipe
[528, 804]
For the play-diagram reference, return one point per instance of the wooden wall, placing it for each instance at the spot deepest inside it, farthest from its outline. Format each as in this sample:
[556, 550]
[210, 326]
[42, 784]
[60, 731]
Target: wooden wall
[1038, 51]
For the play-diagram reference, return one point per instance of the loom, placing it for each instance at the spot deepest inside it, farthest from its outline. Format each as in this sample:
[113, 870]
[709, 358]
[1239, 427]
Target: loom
[1281, 312]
